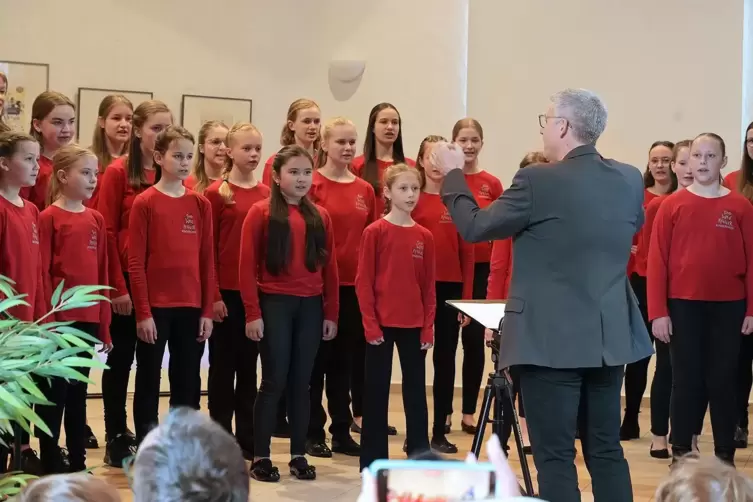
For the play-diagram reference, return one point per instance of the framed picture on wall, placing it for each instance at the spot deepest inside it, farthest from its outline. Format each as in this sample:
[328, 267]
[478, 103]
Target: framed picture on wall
[26, 81]
[87, 108]
[196, 110]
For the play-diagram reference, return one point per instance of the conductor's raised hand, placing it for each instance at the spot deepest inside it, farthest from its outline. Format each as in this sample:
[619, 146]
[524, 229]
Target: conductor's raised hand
[447, 157]
[329, 330]
[662, 328]
[255, 330]
[747, 325]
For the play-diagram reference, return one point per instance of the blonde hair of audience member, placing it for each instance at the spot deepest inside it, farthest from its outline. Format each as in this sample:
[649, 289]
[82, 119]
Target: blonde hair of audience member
[199, 169]
[69, 488]
[189, 458]
[704, 480]
[240, 127]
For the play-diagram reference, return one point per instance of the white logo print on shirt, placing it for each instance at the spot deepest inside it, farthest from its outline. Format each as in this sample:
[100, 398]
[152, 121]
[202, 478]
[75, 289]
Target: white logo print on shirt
[418, 250]
[361, 203]
[34, 233]
[726, 220]
[92, 241]
[189, 226]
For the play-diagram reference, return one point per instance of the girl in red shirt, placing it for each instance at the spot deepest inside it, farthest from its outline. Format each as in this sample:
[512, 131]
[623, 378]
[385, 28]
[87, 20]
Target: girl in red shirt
[659, 179]
[454, 277]
[351, 204]
[111, 135]
[211, 156]
[53, 124]
[3, 92]
[123, 180]
[742, 179]
[700, 273]
[289, 286]
[171, 265]
[301, 128]
[395, 286]
[73, 243]
[469, 135]
[232, 356]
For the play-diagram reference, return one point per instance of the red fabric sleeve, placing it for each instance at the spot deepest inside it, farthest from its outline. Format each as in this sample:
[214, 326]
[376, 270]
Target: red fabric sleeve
[110, 205]
[329, 271]
[467, 264]
[46, 230]
[499, 270]
[372, 204]
[428, 289]
[746, 229]
[497, 188]
[365, 279]
[38, 193]
[657, 276]
[217, 203]
[206, 259]
[252, 235]
[138, 226]
[266, 176]
[105, 309]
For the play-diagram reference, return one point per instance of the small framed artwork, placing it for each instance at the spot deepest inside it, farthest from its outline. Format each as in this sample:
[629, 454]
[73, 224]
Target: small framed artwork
[25, 81]
[196, 110]
[87, 107]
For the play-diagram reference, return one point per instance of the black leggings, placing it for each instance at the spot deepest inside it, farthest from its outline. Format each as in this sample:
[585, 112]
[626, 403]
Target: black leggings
[446, 333]
[705, 347]
[292, 333]
[232, 372]
[744, 379]
[334, 361]
[473, 345]
[178, 329]
[636, 374]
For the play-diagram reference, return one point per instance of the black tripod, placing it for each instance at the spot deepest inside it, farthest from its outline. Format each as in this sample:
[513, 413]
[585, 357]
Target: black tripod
[498, 391]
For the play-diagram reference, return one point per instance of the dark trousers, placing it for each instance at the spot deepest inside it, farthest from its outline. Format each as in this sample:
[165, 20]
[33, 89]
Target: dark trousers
[661, 390]
[232, 372]
[333, 361]
[636, 374]
[115, 378]
[744, 379]
[473, 345]
[549, 393]
[178, 329]
[446, 333]
[69, 401]
[292, 334]
[705, 348]
[374, 441]
[357, 375]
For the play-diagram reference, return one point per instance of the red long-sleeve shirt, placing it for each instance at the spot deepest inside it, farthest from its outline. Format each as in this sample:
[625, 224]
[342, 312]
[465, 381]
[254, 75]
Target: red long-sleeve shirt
[37, 194]
[20, 256]
[266, 176]
[115, 200]
[395, 281]
[227, 223]
[454, 257]
[295, 279]
[500, 270]
[171, 253]
[637, 261]
[352, 207]
[486, 188]
[731, 180]
[357, 168]
[701, 249]
[74, 249]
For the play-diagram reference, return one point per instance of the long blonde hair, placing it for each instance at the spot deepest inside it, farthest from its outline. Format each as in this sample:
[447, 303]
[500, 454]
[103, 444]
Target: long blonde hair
[99, 137]
[329, 125]
[225, 191]
[65, 159]
[287, 137]
[198, 171]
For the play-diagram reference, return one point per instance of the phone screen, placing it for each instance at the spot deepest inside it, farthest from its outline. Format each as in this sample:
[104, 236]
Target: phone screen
[411, 485]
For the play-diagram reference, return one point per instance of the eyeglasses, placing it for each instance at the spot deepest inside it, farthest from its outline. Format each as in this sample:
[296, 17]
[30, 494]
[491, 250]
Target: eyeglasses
[543, 119]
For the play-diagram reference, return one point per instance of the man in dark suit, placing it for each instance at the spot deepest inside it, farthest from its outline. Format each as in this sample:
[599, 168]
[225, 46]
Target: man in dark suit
[571, 320]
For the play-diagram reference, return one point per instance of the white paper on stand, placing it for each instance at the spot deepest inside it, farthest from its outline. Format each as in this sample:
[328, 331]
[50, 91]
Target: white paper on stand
[486, 313]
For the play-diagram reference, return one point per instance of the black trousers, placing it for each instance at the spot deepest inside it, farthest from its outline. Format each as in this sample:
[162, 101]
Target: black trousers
[232, 372]
[744, 379]
[705, 348]
[333, 362]
[69, 401]
[374, 440]
[548, 393]
[115, 378]
[473, 345]
[178, 329]
[636, 374]
[292, 334]
[446, 333]
[357, 375]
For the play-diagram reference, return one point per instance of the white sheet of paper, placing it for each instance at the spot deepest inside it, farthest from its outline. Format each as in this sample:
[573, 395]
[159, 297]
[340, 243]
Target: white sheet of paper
[487, 314]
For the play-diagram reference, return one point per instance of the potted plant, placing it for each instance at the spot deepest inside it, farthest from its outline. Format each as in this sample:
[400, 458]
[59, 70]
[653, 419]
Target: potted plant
[42, 349]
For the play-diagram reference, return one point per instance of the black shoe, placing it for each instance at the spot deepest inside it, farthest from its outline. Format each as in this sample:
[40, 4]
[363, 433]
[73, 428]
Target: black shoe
[441, 445]
[282, 430]
[391, 431]
[741, 438]
[318, 449]
[118, 450]
[300, 468]
[662, 453]
[468, 429]
[91, 439]
[30, 463]
[629, 430]
[55, 460]
[4, 458]
[347, 446]
[263, 470]
[405, 446]
[355, 428]
[447, 428]
[728, 457]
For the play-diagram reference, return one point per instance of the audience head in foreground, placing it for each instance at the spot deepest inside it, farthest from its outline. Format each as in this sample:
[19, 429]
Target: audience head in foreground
[704, 480]
[69, 488]
[575, 117]
[189, 458]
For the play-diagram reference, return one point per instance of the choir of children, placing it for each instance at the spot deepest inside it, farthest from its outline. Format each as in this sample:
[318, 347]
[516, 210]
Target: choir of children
[324, 266]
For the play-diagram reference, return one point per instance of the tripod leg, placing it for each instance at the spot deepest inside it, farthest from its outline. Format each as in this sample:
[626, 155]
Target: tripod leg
[483, 419]
[504, 391]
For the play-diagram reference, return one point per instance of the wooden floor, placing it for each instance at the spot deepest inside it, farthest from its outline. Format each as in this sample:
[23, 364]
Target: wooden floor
[339, 480]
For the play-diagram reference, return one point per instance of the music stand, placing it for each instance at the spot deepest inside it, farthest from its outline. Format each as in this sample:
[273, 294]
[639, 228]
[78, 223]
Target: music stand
[490, 314]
